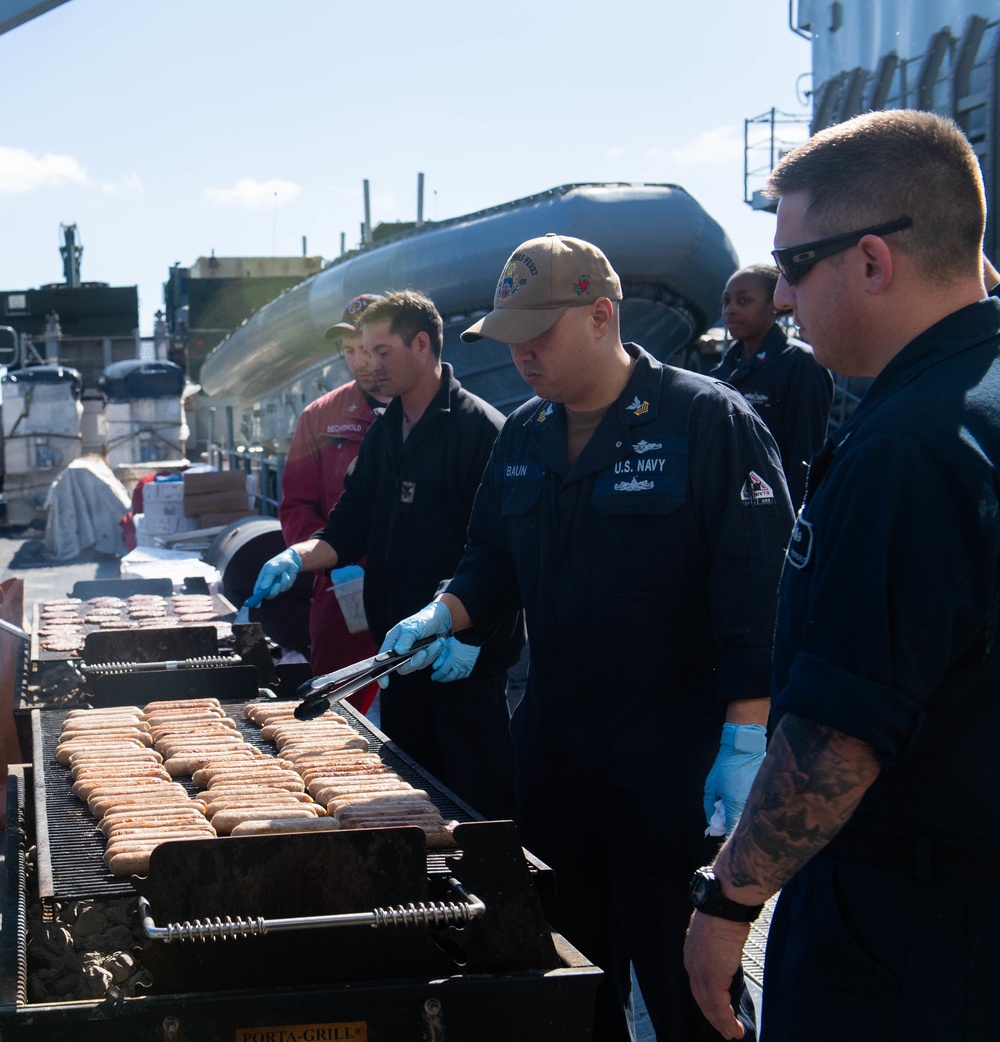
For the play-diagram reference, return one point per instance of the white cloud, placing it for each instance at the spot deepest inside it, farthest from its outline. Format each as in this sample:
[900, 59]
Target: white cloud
[127, 184]
[615, 153]
[254, 195]
[716, 147]
[21, 171]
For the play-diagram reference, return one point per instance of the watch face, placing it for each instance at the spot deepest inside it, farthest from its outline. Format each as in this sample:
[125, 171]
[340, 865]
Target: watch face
[707, 896]
[701, 886]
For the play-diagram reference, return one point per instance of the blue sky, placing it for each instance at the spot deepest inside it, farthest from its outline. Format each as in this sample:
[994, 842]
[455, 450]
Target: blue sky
[166, 130]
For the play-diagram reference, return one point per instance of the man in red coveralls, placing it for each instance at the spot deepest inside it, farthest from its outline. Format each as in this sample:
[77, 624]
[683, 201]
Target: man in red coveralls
[326, 441]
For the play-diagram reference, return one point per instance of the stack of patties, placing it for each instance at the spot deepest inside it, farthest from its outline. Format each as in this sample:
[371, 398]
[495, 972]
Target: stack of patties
[60, 628]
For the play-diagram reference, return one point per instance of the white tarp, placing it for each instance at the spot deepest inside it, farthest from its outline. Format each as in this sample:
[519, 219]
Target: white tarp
[156, 562]
[85, 506]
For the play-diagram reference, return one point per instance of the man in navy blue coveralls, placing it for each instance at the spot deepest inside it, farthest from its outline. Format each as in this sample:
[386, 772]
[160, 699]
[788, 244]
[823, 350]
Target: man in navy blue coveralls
[876, 808]
[639, 515]
[406, 504]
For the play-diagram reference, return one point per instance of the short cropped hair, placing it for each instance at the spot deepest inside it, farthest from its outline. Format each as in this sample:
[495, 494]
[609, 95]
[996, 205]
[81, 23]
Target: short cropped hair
[767, 273]
[884, 165]
[408, 313]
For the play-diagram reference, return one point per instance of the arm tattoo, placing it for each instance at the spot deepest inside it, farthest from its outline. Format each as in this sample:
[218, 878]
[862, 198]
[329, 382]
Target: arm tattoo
[810, 783]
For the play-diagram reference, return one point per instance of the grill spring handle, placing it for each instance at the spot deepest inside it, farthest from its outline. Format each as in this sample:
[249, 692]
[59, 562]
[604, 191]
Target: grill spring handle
[101, 668]
[432, 913]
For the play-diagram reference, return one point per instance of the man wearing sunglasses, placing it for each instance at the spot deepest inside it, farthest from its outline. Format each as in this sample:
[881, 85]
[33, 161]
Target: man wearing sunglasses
[875, 809]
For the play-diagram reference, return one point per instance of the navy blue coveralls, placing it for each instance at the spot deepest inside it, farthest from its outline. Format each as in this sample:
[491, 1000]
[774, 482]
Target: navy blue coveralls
[792, 394]
[887, 631]
[406, 506]
[648, 573]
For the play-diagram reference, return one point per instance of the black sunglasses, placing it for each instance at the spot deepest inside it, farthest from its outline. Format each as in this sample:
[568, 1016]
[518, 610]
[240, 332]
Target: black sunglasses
[794, 261]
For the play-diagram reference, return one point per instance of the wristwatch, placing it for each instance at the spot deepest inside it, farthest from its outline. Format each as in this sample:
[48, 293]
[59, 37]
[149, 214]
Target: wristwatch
[707, 897]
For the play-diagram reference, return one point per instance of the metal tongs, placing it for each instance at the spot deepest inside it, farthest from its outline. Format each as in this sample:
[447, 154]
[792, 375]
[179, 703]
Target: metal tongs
[321, 692]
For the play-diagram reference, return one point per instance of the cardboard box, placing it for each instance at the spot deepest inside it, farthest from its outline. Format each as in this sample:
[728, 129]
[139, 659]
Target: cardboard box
[162, 492]
[227, 518]
[167, 508]
[156, 524]
[202, 482]
[217, 503]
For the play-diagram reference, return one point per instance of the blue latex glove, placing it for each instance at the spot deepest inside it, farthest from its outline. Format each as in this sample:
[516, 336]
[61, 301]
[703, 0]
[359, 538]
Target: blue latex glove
[740, 756]
[427, 622]
[275, 577]
[346, 574]
[455, 662]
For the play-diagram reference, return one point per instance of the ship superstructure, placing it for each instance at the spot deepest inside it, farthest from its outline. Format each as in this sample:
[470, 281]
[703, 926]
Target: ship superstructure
[941, 57]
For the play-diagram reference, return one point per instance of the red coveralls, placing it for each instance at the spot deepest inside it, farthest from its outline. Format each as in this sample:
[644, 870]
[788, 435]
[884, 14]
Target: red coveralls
[326, 441]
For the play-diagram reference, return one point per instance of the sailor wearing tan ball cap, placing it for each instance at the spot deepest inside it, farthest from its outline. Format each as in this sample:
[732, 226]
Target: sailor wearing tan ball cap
[542, 278]
[639, 515]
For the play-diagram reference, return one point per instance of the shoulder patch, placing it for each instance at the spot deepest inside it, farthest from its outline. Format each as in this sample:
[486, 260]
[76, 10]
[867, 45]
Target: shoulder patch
[756, 492]
[801, 544]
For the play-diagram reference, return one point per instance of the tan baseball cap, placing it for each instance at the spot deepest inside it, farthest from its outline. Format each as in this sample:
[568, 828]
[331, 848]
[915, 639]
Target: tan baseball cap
[543, 278]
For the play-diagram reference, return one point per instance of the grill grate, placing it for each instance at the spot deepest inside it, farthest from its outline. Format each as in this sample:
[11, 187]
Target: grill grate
[70, 847]
[171, 621]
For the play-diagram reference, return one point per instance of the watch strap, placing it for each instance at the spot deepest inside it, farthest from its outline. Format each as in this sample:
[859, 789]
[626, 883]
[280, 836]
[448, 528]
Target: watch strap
[707, 897]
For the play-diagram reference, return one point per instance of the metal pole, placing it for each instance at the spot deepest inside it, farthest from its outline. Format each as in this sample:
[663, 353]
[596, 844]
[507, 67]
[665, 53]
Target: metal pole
[772, 139]
[367, 236]
[746, 160]
[420, 200]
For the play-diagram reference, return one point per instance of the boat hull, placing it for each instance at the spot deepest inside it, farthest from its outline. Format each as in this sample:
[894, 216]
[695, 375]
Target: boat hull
[672, 257]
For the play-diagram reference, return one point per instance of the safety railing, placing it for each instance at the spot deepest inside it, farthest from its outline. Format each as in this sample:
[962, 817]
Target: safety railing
[265, 469]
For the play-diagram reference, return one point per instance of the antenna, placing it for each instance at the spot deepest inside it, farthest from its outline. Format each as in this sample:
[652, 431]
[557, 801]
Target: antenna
[366, 229]
[71, 254]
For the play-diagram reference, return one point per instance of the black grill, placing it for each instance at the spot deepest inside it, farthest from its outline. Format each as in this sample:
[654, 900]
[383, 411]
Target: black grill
[70, 847]
[409, 975]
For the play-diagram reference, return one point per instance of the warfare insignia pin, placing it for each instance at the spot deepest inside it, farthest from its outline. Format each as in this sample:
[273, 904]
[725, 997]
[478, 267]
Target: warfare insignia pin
[635, 485]
[647, 446]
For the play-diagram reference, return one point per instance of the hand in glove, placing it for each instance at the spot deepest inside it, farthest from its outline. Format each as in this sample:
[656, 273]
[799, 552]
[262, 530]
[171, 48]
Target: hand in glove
[455, 662]
[740, 756]
[427, 622]
[346, 574]
[275, 577]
